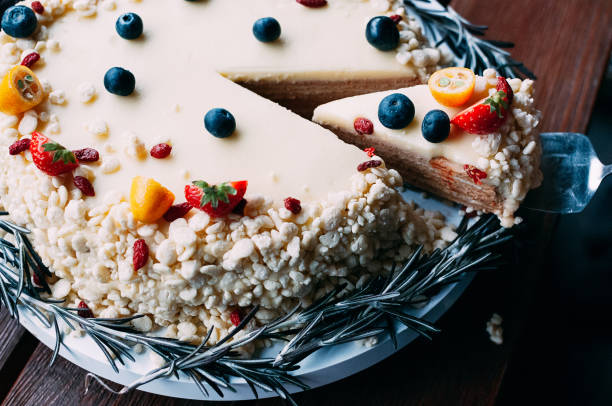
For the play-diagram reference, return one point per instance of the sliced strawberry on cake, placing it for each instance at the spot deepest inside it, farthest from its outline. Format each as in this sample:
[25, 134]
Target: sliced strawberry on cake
[51, 157]
[467, 138]
[216, 200]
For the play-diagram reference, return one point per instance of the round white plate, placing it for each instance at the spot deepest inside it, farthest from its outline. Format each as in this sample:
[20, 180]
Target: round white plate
[323, 367]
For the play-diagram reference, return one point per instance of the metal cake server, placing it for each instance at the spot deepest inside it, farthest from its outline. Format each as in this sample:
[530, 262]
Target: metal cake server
[572, 173]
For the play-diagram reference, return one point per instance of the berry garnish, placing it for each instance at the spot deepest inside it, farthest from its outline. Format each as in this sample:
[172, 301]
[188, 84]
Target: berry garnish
[313, 3]
[50, 157]
[19, 21]
[368, 164]
[239, 209]
[36, 281]
[220, 123]
[129, 26]
[476, 174]
[38, 7]
[363, 125]
[161, 151]
[84, 311]
[452, 86]
[236, 317]
[19, 146]
[382, 33]
[487, 115]
[119, 81]
[267, 29]
[177, 211]
[84, 185]
[87, 155]
[396, 18]
[217, 200]
[435, 126]
[30, 59]
[293, 205]
[140, 257]
[20, 91]
[504, 86]
[149, 200]
[396, 111]
[371, 151]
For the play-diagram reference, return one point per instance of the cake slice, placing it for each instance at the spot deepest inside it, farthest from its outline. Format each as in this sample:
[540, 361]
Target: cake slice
[490, 171]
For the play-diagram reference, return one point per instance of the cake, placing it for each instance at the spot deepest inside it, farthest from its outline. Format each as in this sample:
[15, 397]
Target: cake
[156, 181]
[489, 171]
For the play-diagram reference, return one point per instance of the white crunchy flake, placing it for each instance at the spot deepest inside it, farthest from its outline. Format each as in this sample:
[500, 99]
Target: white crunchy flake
[86, 92]
[57, 97]
[97, 128]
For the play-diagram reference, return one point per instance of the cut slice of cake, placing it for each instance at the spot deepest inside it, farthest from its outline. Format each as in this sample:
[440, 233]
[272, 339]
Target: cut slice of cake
[485, 162]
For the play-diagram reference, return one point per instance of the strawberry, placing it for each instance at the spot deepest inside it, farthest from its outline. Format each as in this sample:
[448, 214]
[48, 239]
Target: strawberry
[487, 115]
[50, 157]
[216, 200]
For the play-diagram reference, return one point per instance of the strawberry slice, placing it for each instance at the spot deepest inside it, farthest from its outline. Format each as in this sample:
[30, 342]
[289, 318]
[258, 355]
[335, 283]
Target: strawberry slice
[51, 157]
[216, 200]
[487, 115]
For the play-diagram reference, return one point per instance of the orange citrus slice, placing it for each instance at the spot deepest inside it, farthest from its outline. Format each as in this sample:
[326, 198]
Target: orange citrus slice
[20, 91]
[452, 87]
[149, 200]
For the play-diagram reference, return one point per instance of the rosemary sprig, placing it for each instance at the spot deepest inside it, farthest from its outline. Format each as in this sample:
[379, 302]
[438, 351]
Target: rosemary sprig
[371, 310]
[444, 27]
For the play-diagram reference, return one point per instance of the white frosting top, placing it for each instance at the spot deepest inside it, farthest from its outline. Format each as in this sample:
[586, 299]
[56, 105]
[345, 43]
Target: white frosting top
[177, 68]
[457, 147]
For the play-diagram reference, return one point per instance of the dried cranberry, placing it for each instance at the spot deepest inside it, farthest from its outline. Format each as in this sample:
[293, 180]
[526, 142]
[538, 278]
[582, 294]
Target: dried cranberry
[396, 18]
[177, 211]
[161, 151]
[363, 126]
[313, 3]
[38, 7]
[36, 280]
[141, 254]
[30, 59]
[19, 146]
[293, 205]
[370, 151]
[87, 155]
[368, 164]
[475, 173]
[84, 185]
[85, 311]
[239, 209]
[236, 317]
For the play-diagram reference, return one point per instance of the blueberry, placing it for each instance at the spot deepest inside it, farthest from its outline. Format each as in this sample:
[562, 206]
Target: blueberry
[129, 26]
[119, 81]
[382, 33]
[267, 29]
[436, 126]
[396, 111]
[19, 21]
[220, 123]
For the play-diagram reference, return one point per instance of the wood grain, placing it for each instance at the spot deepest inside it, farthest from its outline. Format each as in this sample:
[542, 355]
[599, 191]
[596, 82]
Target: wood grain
[567, 45]
[16, 346]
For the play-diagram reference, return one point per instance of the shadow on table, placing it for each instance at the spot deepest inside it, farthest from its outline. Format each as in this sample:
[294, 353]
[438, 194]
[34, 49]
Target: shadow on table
[565, 352]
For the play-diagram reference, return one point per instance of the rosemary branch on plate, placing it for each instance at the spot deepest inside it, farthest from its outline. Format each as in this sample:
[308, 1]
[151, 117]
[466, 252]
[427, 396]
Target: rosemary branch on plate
[371, 310]
[445, 28]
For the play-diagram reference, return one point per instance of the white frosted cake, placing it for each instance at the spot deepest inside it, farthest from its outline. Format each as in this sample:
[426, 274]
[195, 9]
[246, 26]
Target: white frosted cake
[100, 219]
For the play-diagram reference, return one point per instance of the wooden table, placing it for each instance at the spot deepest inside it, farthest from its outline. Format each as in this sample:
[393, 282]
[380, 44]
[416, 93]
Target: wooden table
[567, 45]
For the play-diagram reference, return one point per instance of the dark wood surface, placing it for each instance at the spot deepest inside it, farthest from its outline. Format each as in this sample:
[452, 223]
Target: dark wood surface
[567, 45]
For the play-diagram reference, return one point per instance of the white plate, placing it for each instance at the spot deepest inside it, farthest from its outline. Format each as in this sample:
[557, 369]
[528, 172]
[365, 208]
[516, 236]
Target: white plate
[323, 367]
